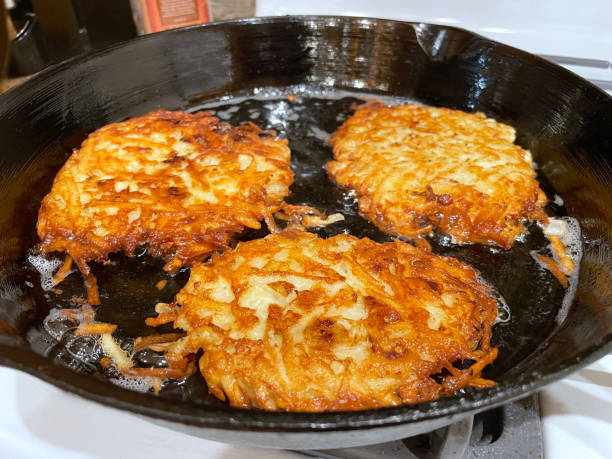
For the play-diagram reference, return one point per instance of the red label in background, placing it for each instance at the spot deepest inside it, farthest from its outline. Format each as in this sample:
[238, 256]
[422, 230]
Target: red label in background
[161, 15]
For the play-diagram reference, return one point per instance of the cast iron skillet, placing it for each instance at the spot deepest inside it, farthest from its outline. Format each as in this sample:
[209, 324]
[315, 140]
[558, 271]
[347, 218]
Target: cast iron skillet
[243, 70]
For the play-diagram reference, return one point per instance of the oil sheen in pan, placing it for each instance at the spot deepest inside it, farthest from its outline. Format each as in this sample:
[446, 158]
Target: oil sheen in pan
[529, 295]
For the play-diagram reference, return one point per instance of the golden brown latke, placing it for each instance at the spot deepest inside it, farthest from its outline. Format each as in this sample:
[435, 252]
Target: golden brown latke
[295, 322]
[179, 184]
[416, 168]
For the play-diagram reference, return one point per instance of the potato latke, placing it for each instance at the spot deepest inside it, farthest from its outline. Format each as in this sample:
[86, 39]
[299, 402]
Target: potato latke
[178, 184]
[416, 168]
[295, 322]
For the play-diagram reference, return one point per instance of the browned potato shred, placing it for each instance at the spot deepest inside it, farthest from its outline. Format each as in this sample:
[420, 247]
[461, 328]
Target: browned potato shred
[304, 217]
[63, 271]
[91, 284]
[95, 329]
[565, 261]
[161, 284]
[147, 341]
[554, 268]
[161, 319]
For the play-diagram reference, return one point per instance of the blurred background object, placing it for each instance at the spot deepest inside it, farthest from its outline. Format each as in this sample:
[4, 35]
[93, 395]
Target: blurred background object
[157, 15]
[4, 38]
[49, 31]
[223, 10]
[45, 32]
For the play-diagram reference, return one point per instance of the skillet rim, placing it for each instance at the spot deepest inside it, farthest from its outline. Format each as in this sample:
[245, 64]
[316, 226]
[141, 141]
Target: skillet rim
[80, 58]
[228, 418]
[240, 419]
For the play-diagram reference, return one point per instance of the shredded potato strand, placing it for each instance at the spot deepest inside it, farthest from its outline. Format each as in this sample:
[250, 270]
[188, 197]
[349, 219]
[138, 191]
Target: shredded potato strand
[118, 356]
[566, 262]
[63, 271]
[161, 319]
[304, 217]
[93, 297]
[554, 268]
[144, 342]
[95, 329]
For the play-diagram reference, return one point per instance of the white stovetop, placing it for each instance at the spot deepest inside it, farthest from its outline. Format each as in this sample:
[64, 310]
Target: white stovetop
[41, 421]
[564, 27]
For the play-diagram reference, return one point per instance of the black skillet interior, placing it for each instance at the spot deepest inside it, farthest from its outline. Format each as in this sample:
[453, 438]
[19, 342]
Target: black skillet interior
[243, 71]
